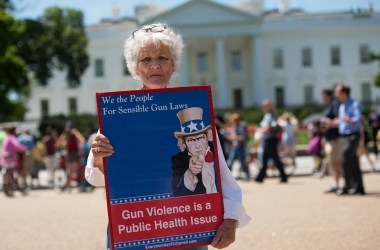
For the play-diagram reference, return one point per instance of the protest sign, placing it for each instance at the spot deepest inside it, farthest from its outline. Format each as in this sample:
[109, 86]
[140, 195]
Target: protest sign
[163, 183]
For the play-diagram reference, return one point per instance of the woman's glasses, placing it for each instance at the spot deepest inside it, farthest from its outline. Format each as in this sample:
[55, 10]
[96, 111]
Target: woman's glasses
[152, 28]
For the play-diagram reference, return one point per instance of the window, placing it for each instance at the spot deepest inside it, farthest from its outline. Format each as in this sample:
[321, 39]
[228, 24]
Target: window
[308, 94]
[366, 94]
[306, 57]
[280, 97]
[73, 84]
[125, 68]
[72, 105]
[42, 84]
[44, 106]
[99, 68]
[335, 55]
[364, 54]
[278, 60]
[238, 98]
[236, 60]
[202, 62]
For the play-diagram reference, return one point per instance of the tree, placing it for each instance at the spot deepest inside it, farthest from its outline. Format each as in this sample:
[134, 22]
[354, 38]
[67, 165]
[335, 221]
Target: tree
[14, 82]
[6, 5]
[69, 41]
[56, 41]
[35, 48]
[376, 57]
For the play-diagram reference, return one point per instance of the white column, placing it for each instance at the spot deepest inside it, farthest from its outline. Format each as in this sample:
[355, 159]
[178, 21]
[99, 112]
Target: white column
[221, 84]
[259, 92]
[184, 68]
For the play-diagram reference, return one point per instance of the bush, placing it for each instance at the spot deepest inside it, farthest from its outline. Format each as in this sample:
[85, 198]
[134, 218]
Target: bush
[85, 123]
[254, 115]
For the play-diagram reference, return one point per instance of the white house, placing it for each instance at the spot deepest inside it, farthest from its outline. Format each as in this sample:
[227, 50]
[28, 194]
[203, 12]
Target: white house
[244, 52]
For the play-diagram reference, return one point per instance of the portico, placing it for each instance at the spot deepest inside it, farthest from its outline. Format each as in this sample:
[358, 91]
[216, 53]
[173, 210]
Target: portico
[218, 52]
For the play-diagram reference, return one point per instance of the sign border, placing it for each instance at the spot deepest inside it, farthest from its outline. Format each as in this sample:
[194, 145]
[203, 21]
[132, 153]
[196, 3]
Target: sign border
[215, 143]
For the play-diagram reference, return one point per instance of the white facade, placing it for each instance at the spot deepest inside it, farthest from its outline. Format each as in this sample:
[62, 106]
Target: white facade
[320, 32]
[233, 50]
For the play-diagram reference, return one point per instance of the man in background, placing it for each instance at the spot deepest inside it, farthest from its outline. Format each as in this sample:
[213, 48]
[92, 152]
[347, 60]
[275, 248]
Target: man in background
[349, 124]
[374, 123]
[332, 145]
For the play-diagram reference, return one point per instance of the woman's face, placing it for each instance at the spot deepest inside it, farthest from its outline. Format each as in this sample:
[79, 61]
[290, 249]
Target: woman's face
[155, 66]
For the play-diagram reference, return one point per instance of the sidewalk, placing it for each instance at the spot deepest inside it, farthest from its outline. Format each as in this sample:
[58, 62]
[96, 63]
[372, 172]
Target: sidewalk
[292, 216]
[305, 166]
[298, 216]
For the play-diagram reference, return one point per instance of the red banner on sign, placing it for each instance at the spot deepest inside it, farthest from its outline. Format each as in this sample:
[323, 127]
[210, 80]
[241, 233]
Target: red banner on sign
[166, 217]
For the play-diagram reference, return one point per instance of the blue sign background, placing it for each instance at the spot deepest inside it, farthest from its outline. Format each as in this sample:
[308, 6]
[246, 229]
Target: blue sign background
[144, 142]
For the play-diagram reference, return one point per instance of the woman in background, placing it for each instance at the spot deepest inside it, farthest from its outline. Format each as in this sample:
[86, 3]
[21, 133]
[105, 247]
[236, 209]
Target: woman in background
[270, 142]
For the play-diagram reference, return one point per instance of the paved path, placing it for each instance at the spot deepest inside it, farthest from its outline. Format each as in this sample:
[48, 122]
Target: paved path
[305, 166]
[290, 216]
[299, 215]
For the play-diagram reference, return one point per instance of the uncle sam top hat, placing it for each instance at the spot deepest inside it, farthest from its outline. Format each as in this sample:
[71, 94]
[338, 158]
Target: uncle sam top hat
[191, 122]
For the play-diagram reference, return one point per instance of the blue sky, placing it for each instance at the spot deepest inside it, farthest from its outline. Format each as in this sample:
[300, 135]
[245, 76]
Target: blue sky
[95, 10]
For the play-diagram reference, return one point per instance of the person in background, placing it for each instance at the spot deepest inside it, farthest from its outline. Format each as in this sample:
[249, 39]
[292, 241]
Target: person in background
[38, 154]
[270, 143]
[374, 123]
[289, 124]
[85, 185]
[49, 159]
[27, 167]
[314, 147]
[363, 144]
[8, 160]
[71, 140]
[332, 141]
[153, 53]
[3, 134]
[220, 125]
[349, 122]
[238, 138]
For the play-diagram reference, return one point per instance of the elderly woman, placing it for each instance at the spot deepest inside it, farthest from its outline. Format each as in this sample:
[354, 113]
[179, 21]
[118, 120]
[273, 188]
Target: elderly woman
[153, 55]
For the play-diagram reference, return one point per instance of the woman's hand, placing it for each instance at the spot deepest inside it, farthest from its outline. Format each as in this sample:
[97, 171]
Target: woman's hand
[226, 234]
[101, 147]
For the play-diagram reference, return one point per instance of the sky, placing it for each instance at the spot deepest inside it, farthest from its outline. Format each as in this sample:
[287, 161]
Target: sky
[95, 10]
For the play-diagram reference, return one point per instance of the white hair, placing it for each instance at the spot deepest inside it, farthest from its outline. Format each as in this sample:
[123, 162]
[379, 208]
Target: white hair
[139, 39]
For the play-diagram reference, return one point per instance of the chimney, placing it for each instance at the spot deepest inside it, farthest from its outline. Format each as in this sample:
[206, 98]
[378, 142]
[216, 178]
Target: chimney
[145, 11]
[115, 12]
[255, 7]
[283, 6]
[371, 8]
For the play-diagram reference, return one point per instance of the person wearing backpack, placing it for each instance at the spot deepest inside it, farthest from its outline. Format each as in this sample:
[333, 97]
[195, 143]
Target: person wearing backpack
[314, 147]
[72, 141]
[268, 128]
